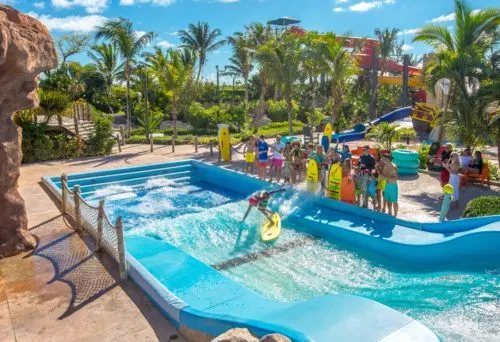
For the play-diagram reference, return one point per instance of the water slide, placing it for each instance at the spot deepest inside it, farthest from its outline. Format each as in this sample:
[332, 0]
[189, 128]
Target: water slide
[359, 131]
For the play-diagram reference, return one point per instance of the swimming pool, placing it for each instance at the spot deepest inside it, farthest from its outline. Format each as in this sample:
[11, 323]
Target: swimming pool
[325, 248]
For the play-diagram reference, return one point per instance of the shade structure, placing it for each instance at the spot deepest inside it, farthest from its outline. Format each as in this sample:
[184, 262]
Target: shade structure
[284, 21]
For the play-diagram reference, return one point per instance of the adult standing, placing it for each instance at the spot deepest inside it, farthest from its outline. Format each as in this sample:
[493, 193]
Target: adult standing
[390, 173]
[262, 149]
[277, 159]
[366, 160]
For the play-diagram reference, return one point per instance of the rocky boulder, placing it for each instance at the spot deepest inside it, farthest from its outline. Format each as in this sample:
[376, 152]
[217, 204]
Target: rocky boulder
[26, 50]
[236, 335]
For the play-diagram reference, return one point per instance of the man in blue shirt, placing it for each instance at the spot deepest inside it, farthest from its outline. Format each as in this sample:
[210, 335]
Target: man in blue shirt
[262, 150]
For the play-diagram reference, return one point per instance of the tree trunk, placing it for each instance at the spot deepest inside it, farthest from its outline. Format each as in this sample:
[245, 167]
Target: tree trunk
[445, 111]
[262, 97]
[313, 101]
[290, 112]
[200, 66]
[174, 123]
[129, 123]
[246, 89]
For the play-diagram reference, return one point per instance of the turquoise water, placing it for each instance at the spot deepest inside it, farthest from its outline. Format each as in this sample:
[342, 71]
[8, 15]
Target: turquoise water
[203, 220]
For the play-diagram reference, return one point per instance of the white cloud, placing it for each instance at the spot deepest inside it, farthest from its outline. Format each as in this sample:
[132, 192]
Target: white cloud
[406, 47]
[90, 6]
[175, 33]
[165, 44]
[72, 23]
[365, 6]
[341, 1]
[227, 1]
[409, 32]
[338, 9]
[153, 2]
[443, 18]
[39, 4]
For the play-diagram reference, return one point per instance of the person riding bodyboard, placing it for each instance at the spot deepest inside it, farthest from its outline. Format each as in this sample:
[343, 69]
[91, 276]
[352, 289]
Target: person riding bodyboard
[260, 199]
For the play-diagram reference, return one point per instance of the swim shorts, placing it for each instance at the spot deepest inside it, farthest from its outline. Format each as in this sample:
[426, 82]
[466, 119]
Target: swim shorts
[381, 184]
[391, 193]
[277, 162]
[250, 157]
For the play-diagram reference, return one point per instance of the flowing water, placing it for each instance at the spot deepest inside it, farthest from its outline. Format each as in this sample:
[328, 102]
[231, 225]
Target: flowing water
[204, 221]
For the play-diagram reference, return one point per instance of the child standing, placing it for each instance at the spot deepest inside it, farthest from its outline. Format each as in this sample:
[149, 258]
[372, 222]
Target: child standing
[372, 189]
[365, 172]
[390, 173]
[249, 152]
[356, 177]
[263, 149]
[296, 162]
[287, 154]
[380, 185]
[453, 167]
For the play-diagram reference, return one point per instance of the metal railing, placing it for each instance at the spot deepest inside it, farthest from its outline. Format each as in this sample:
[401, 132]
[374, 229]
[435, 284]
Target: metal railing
[94, 220]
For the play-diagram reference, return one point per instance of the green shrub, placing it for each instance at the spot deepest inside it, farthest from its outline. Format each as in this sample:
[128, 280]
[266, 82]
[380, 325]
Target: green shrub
[483, 206]
[494, 172]
[423, 155]
[278, 111]
[101, 141]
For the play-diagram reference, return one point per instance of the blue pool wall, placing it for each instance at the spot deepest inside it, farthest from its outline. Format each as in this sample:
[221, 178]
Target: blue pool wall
[219, 303]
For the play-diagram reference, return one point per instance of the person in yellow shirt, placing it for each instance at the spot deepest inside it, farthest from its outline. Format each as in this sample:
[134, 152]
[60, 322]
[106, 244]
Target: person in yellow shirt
[249, 152]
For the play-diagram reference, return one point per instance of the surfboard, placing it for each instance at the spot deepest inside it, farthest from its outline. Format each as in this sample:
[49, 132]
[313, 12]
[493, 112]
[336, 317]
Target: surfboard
[335, 181]
[270, 232]
[312, 171]
[348, 190]
[327, 137]
[224, 143]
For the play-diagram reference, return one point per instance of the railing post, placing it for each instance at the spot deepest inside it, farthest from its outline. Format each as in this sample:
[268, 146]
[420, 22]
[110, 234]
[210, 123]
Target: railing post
[100, 218]
[211, 148]
[230, 152]
[196, 144]
[75, 117]
[121, 249]
[64, 184]
[151, 142]
[76, 194]
[119, 144]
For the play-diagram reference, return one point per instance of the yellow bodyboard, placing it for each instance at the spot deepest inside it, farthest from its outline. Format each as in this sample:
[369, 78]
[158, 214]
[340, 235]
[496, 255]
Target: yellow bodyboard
[328, 132]
[312, 171]
[335, 181]
[270, 232]
[224, 146]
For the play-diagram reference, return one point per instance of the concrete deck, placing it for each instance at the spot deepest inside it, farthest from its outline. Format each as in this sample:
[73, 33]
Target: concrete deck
[64, 291]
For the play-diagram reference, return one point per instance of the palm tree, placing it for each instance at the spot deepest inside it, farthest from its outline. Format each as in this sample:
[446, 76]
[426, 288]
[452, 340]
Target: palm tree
[242, 59]
[106, 63]
[314, 62]
[129, 44]
[172, 74]
[341, 68]
[282, 59]
[259, 34]
[386, 133]
[201, 40]
[461, 57]
[387, 46]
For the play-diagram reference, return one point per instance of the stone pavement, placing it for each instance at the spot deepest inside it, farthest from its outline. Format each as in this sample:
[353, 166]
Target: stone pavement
[64, 291]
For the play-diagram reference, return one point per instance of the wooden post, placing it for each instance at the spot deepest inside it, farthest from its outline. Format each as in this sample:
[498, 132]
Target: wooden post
[230, 152]
[122, 134]
[64, 181]
[196, 144]
[211, 148]
[119, 145]
[121, 249]
[100, 218]
[151, 147]
[75, 117]
[76, 194]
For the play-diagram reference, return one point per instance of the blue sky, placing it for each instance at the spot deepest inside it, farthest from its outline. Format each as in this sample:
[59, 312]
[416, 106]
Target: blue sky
[166, 17]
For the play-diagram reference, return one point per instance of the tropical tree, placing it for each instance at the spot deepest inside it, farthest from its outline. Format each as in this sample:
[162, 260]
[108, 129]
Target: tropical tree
[386, 133]
[53, 103]
[282, 59]
[388, 45]
[106, 62]
[172, 74]
[70, 45]
[200, 39]
[259, 34]
[129, 44]
[242, 59]
[341, 69]
[461, 58]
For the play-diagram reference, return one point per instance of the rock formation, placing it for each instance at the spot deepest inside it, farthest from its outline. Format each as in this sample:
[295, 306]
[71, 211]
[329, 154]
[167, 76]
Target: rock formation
[26, 49]
[243, 335]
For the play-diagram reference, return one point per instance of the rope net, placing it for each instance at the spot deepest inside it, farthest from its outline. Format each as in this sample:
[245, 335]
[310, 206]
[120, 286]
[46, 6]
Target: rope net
[110, 238]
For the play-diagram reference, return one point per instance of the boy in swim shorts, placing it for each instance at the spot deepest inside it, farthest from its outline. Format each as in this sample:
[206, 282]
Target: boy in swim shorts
[249, 152]
[390, 172]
